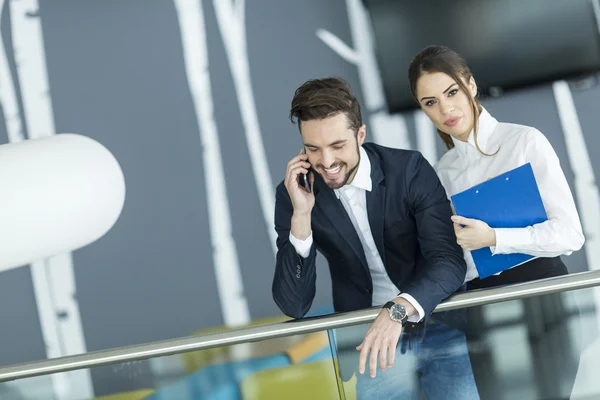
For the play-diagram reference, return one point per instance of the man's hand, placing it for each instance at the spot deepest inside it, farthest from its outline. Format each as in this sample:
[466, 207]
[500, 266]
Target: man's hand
[381, 340]
[475, 234]
[302, 201]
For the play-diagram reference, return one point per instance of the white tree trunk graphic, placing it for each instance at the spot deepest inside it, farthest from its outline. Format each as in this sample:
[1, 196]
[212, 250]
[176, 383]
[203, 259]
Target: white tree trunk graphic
[426, 136]
[232, 25]
[234, 306]
[8, 96]
[586, 188]
[387, 130]
[53, 278]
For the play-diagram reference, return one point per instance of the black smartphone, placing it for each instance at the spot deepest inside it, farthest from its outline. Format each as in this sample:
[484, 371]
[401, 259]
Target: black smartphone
[303, 179]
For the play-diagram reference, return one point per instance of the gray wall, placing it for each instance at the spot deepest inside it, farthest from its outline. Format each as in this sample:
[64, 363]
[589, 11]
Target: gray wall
[117, 75]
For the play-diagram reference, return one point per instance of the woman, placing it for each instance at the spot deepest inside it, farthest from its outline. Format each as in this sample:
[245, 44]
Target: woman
[480, 148]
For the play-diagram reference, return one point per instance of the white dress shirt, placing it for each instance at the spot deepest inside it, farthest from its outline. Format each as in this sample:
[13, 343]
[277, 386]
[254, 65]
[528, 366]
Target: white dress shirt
[354, 200]
[464, 166]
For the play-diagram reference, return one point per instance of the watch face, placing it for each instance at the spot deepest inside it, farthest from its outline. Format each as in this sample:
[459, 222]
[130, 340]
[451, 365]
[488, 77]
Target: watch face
[397, 312]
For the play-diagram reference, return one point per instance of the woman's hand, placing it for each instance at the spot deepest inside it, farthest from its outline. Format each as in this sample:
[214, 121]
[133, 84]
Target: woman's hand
[473, 234]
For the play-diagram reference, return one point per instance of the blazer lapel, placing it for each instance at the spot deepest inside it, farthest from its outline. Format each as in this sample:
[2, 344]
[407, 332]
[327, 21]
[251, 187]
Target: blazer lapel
[376, 206]
[334, 210]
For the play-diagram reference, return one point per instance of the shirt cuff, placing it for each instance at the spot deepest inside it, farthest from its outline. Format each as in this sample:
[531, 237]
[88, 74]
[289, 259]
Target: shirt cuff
[420, 312]
[508, 238]
[302, 246]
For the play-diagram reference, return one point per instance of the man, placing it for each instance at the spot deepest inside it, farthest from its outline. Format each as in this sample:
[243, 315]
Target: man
[379, 216]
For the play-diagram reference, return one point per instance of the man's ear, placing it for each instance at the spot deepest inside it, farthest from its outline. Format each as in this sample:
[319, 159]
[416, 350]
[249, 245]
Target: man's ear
[361, 134]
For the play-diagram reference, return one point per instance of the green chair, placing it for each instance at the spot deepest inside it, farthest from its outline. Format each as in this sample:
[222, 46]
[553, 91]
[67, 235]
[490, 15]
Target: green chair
[312, 380]
[135, 395]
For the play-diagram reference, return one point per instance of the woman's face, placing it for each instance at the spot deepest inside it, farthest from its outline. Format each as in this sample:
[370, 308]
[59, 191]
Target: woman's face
[446, 105]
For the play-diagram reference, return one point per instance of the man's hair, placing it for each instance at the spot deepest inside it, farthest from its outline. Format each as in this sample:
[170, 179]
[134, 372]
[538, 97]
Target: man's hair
[318, 99]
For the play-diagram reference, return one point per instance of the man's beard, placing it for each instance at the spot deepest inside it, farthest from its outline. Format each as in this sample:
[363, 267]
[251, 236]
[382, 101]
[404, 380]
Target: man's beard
[335, 185]
[349, 173]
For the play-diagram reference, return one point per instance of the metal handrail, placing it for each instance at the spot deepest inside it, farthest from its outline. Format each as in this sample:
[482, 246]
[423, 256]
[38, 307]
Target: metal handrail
[289, 328]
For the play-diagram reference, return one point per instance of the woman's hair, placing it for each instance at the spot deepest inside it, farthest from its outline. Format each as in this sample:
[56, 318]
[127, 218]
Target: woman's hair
[442, 59]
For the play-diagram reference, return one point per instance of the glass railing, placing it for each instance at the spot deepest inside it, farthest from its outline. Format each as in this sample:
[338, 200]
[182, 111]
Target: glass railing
[530, 348]
[248, 370]
[537, 340]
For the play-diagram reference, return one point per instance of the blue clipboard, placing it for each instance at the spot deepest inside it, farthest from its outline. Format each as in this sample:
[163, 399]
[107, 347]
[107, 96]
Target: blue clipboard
[510, 200]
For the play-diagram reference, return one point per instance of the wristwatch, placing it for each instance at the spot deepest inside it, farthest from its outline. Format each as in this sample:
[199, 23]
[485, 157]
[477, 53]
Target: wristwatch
[397, 312]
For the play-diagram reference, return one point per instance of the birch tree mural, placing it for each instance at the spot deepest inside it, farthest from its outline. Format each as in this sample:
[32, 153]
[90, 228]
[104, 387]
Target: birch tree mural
[8, 95]
[234, 306]
[387, 130]
[53, 278]
[231, 18]
[426, 136]
[586, 188]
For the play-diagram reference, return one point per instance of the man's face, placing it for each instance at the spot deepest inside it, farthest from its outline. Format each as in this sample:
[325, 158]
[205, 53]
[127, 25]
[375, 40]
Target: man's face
[332, 148]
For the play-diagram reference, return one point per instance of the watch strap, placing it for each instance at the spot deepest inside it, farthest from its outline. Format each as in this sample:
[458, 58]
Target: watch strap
[388, 305]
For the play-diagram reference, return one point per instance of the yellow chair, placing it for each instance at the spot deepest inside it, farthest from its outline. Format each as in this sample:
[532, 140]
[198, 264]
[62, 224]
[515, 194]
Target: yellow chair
[313, 380]
[193, 361]
[309, 345]
[135, 395]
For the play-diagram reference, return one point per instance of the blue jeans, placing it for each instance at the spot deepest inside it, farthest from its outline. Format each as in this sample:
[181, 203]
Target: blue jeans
[439, 365]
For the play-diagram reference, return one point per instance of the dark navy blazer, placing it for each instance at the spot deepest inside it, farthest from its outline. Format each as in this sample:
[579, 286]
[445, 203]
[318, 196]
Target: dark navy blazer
[409, 215]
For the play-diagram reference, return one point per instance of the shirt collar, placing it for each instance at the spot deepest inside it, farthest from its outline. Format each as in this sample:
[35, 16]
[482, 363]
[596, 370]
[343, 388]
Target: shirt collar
[486, 126]
[362, 179]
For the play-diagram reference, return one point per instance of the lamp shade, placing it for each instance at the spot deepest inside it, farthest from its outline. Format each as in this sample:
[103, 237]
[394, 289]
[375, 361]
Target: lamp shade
[58, 193]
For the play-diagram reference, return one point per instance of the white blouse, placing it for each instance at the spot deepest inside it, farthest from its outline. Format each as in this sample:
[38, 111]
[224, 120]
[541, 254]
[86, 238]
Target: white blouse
[464, 166]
